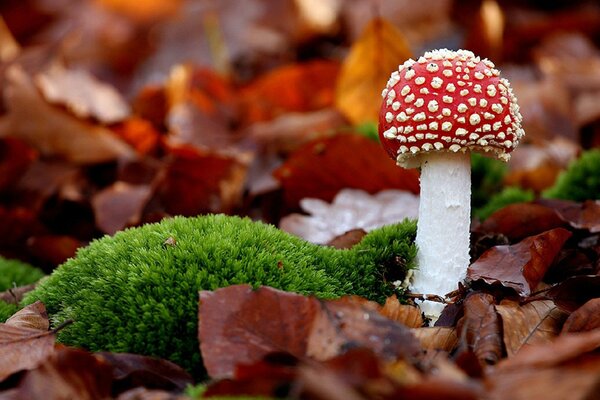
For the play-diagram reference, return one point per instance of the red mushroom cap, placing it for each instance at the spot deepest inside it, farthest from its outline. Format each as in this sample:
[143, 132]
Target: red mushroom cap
[448, 101]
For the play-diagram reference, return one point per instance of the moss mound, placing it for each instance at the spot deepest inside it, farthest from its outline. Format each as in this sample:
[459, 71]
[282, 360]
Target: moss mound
[17, 273]
[138, 290]
[7, 310]
[581, 181]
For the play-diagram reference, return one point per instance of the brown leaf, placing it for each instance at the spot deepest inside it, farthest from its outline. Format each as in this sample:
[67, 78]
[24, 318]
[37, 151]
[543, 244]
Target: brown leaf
[584, 215]
[585, 318]
[52, 249]
[119, 205]
[133, 370]
[480, 329]
[537, 322]
[559, 350]
[239, 325]
[405, 314]
[53, 131]
[518, 221]
[82, 94]
[437, 338]
[15, 158]
[33, 316]
[325, 166]
[378, 52]
[68, 374]
[139, 134]
[141, 393]
[575, 291]
[23, 347]
[520, 266]
[293, 88]
[347, 240]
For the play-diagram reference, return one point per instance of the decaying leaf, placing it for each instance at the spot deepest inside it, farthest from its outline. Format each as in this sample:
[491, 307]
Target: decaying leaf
[23, 347]
[534, 323]
[323, 167]
[520, 266]
[33, 316]
[239, 325]
[405, 314]
[379, 50]
[350, 209]
[119, 205]
[585, 318]
[584, 215]
[480, 329]
[575, 291]
[437, 338]
[53, 131]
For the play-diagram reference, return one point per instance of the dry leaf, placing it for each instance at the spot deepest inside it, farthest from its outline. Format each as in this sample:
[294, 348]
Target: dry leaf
[351, 209]
[119, 205]
[534, 323]
[403, 313]
[585, 318]
[323, 167]
[239, 325]
[33, 316]
[379, 51]
[575, 291]
[520, 266]
[53, 131]
[584, 215]
[480, 329]
[15, 159]
[82, 94]
[22, 346]
[437, 338]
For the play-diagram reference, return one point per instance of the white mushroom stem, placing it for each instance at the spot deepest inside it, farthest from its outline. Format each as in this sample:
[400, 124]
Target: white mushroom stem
[443, 227]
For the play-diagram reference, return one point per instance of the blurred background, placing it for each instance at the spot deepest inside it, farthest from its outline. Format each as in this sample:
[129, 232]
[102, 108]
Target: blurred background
[115, 113]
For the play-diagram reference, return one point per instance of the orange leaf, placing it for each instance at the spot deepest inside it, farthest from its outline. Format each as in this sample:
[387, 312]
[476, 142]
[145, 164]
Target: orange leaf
[377, 53]
[293, 88]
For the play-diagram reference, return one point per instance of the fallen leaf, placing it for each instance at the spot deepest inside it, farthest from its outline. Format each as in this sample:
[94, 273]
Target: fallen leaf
[520, 266]
[119, 205]
[15, 158]
[139, 134]
[323, 167]
[350, 209]
[52, 249]
[518, 221]
[53, 131]
[67, 374]
[556, 351]
[239, 325]
[585, 318]
[82, 94]
[480, 329]
[346, 240]
[405, 314]
[141, 393]
[437, 338]
[292, 88]
[133, 370]
[584, 215]
[33, 316]
[379, 50]
[23, 348]
[534, 323]
[575, 291]
[151, 10]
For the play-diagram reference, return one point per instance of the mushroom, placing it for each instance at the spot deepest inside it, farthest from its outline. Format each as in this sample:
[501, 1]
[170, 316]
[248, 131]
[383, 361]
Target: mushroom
[435, 111]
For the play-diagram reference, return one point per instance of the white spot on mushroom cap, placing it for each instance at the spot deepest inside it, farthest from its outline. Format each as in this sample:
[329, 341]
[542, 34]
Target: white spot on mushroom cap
[420, 80]
[432, 106]
[447, 99]
[474, 119]
[462, 107]
[419, 102]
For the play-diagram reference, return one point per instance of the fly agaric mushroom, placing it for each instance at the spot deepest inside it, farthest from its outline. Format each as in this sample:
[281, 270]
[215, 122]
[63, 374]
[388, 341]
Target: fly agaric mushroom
[435, 111]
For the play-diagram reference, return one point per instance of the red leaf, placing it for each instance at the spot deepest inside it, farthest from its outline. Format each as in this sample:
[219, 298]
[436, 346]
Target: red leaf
[323, 167]
[520, 266]
[239, 325]
[53, 249]
[518, 221]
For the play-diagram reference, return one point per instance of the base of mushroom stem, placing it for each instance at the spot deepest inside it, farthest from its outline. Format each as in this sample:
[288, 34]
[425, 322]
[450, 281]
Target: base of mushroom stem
[431, 309]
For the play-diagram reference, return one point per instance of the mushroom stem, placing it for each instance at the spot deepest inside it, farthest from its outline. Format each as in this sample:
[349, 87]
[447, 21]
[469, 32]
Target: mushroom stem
[443, 228]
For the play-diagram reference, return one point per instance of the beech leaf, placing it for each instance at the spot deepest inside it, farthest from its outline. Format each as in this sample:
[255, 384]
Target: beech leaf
[537, 322]
[584, 215]
[33, 316]
[575, 291]
[239, 325]
[22, 346]
[379, 50]
[120, 205]
[520, 266]
[403, 313]
[585, 318]
[437, 338]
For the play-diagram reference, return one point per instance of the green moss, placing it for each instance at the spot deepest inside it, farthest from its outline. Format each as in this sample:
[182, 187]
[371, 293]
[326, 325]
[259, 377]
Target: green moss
[7, 310]
[16, 273]
[581, 181]
[508, 195]
[486, 179]
[135, 292]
